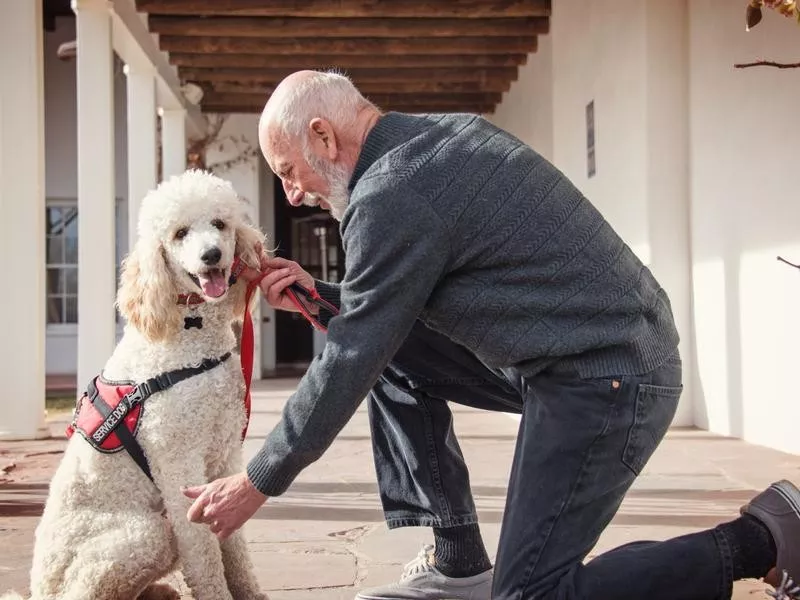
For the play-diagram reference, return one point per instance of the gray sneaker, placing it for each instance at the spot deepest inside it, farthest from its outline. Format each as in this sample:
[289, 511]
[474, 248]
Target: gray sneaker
[778, 507]
[421, 580]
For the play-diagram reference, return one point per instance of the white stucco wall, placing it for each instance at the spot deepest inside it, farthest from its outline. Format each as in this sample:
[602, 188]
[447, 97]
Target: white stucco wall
[745, 141]
[527, 108]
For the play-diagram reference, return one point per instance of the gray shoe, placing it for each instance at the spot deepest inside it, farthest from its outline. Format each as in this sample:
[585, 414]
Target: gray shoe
[778, 507]
[421, 580]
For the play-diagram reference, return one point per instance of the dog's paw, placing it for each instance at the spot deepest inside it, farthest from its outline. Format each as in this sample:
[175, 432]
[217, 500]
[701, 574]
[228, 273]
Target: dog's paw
[159, 591]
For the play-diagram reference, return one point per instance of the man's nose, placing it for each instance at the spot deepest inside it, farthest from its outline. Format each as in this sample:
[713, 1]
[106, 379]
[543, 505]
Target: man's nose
[291, 193]
[211, 256]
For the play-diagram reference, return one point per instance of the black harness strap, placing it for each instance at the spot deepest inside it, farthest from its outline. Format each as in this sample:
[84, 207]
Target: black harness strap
[123, 433]
[114, 417]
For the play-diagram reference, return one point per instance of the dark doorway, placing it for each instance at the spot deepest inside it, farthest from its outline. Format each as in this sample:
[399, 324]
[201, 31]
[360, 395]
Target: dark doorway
[309, 236]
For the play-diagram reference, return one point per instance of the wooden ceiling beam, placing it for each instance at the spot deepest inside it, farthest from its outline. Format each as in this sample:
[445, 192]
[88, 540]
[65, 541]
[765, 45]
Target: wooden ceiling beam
[473, 9]
[403, 88]
[382, 99]
[301, 27]
[502, 75]
[370, 46]
[346, 61]
[436, 108]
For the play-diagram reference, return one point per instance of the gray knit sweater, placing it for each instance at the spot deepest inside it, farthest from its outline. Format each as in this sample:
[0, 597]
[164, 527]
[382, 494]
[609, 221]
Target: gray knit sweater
[459, 224]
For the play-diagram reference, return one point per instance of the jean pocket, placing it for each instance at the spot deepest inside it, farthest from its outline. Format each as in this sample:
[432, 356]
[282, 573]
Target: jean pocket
[654, 409]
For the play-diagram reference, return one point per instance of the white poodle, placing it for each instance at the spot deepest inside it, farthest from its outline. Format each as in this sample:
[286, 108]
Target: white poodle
[108, 531]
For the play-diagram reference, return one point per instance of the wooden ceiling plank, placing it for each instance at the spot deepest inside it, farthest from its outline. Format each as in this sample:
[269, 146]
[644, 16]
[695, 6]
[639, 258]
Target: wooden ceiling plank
[254, 99]
[301, 27]
[359, 76]
[375, 46]
[346, 61]
[402, 88]
[475, 9]
[223, 108]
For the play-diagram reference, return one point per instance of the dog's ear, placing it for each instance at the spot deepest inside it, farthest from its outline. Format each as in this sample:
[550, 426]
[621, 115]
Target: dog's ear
[147, 296]
[249, 244]
[249, 249]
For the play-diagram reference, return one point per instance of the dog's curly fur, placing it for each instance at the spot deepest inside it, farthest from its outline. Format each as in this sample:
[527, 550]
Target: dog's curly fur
[107, 533]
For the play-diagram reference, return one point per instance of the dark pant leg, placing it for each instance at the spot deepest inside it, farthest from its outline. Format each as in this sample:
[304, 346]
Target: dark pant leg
[581, 443]
[422, 477]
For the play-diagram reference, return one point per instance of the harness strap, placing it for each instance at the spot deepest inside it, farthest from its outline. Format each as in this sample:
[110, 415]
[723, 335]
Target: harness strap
[123, 433]
[114, 417]
[161, 382]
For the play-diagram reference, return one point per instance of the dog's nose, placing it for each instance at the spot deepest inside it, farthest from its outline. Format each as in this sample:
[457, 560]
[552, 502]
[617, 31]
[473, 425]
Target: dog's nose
[211, 256]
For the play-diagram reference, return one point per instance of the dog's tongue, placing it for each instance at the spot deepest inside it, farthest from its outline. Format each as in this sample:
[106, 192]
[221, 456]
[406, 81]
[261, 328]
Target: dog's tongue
[213, 283]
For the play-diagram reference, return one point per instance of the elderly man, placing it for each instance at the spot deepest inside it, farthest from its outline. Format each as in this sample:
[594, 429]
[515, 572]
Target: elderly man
[477, 273]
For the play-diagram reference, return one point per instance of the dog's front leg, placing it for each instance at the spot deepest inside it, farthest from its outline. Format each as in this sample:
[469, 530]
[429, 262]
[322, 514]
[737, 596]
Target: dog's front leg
[239, 570]
[198, 549]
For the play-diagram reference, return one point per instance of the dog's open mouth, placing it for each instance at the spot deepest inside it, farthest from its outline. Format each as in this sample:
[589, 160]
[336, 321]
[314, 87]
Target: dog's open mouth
[213, 283]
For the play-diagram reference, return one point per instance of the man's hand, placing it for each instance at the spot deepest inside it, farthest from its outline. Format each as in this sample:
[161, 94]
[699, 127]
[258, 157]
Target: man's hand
[281, 274]
[224, 504]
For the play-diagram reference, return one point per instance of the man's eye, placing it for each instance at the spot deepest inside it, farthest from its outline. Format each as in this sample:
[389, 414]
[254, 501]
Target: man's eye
[181, 233]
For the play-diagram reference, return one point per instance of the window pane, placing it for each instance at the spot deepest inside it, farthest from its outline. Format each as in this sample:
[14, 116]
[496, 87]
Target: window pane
[71, 315]
[71, 251]
[55, 252]
[71, 236]
[54, 281]
[53, 217]
[55, 309]
[71, 280]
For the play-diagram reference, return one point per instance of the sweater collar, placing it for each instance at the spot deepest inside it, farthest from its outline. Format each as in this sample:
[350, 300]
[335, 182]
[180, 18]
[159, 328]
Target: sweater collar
[384, 135]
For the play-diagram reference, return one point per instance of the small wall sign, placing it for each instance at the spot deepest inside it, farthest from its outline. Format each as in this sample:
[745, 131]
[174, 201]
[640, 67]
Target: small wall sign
[590, 156]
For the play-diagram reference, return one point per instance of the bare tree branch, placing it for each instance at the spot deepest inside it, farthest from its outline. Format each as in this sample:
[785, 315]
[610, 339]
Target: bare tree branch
[767, 63]
[791, 264]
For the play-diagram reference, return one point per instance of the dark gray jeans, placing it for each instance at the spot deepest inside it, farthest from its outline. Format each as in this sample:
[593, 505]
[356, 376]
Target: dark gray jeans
[580, 445]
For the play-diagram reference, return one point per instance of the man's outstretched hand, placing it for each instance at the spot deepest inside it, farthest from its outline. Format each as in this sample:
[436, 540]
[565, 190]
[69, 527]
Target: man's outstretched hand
[224, 504]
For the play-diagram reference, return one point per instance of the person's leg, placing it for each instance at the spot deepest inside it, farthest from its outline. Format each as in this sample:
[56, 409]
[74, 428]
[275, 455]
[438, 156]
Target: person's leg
[422, 477]
[580, 446]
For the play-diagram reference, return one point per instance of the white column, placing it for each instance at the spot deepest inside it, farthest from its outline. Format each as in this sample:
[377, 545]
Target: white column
[142, 160]
[22, 226]
[173, 142]
[96, 257]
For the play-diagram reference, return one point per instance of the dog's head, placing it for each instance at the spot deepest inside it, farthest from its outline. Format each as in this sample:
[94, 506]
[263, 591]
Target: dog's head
[190, 230]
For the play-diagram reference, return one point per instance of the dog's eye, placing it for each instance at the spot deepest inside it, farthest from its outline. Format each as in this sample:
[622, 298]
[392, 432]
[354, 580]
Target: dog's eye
[219, 224]
[181, 233]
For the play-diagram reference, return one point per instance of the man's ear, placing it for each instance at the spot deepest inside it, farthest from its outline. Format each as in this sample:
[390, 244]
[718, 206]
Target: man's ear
[323, 138]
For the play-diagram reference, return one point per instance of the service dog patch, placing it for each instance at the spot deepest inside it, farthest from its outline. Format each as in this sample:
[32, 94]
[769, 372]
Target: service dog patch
[99, 429]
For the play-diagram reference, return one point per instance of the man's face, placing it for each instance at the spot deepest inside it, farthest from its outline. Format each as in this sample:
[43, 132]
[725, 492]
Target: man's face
[309, 179]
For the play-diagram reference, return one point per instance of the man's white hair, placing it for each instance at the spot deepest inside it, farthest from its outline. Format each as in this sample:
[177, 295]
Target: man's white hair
[326, 94]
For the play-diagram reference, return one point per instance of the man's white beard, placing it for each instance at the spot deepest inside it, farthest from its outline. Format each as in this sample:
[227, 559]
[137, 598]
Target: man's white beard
[338, 178]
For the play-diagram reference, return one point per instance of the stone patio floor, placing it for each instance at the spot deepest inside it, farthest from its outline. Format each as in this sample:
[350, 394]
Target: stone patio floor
[325, 538]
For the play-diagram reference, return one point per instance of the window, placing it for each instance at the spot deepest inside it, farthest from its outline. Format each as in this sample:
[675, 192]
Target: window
[62, 257]
[62, 264]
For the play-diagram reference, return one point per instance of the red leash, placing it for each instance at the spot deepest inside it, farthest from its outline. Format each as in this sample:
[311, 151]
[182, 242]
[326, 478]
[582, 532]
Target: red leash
[248, 349]
[294, 292]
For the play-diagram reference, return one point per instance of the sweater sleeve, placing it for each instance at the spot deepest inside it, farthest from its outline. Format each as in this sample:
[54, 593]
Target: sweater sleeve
[330, 292]
[396, 250]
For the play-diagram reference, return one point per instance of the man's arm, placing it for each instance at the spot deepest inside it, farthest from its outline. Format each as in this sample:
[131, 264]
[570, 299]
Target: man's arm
[396, 250]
